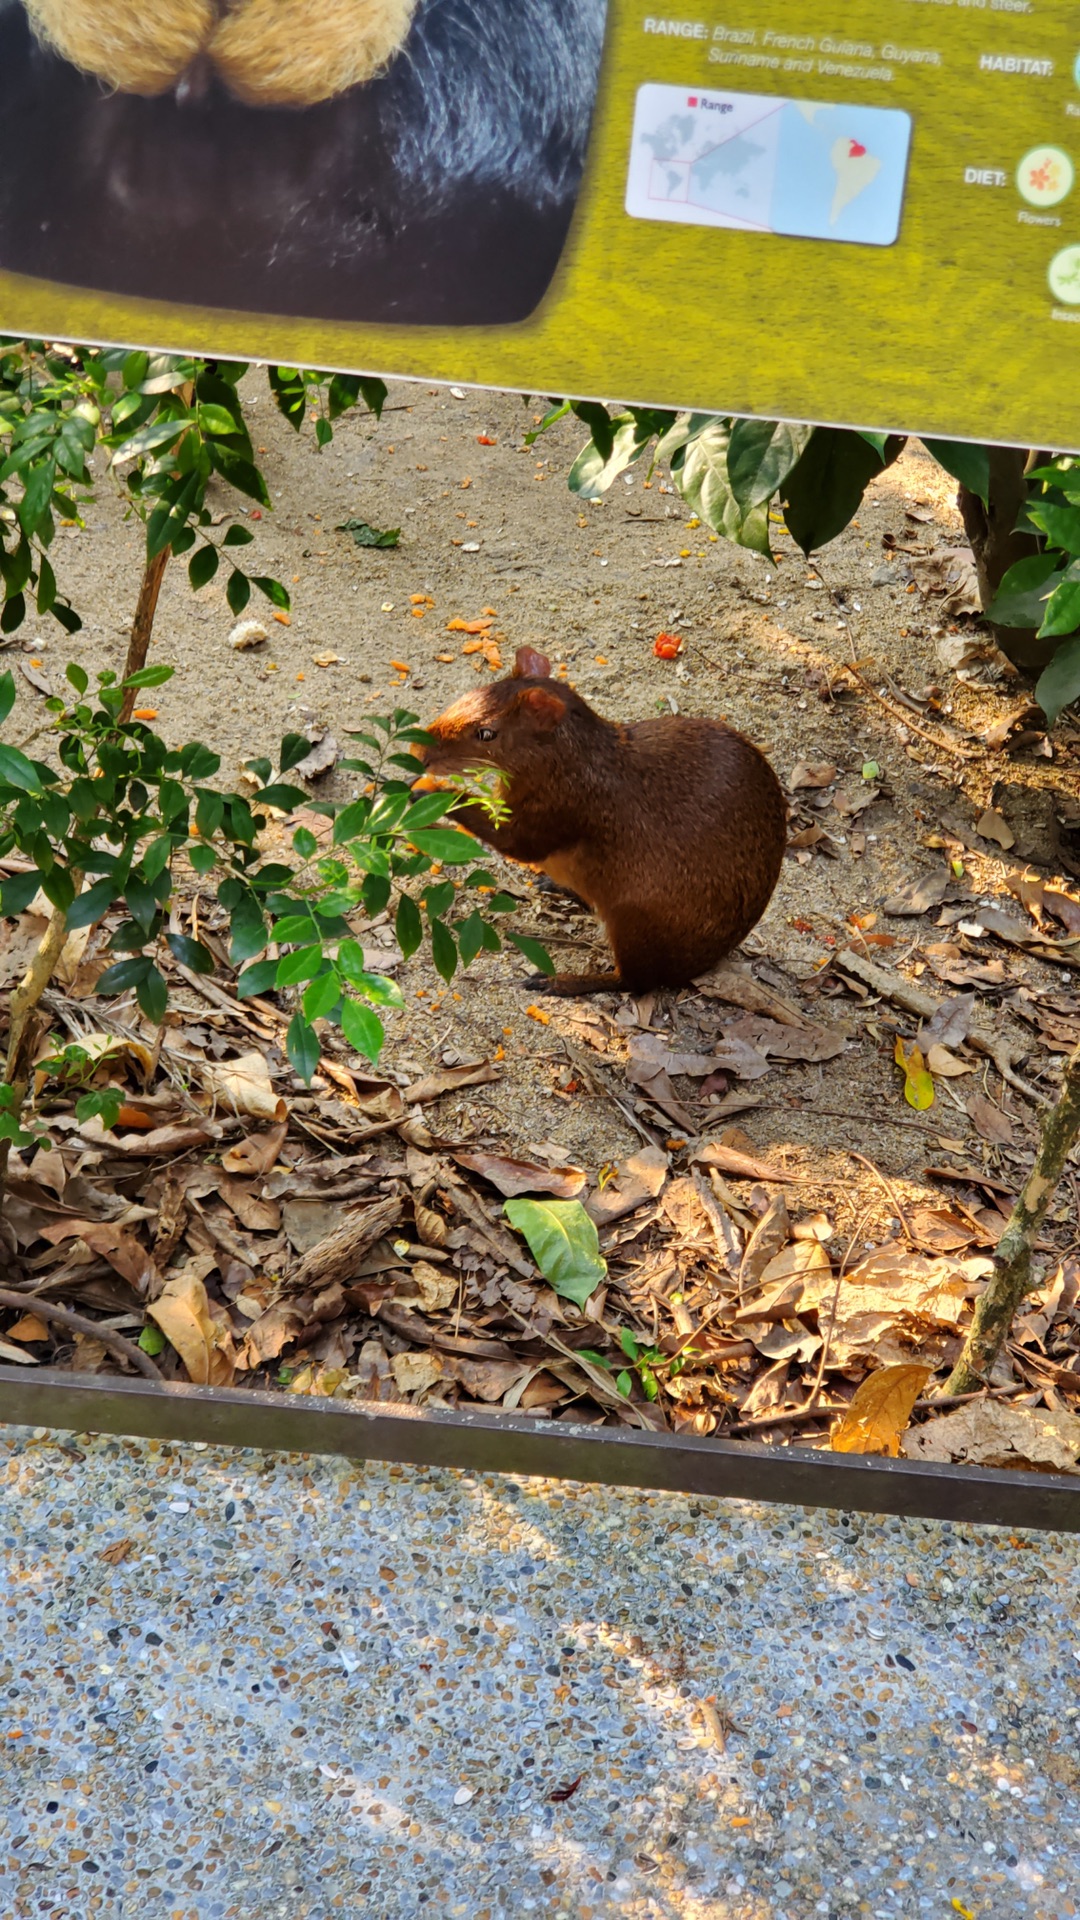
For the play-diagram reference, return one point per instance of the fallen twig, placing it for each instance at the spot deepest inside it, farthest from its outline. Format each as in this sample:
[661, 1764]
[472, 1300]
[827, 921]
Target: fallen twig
[120, 1348]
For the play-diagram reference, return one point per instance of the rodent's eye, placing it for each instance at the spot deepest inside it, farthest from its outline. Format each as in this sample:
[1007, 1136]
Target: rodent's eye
[485, 733]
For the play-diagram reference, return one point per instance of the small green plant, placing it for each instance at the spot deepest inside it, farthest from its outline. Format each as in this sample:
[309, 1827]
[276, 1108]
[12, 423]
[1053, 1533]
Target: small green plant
[168, 426]
[647, 1362]
[1043, 590]
[116, 820]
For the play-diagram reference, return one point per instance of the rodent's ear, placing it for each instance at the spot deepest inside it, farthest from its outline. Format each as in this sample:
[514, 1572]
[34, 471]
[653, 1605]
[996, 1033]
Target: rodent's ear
[531, 665]
[544, 708]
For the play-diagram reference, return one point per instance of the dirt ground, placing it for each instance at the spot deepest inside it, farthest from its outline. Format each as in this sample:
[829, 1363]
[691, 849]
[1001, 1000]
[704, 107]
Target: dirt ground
[489, 523]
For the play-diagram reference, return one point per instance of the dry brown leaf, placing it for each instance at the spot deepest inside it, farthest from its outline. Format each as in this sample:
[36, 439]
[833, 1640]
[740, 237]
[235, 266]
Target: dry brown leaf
[29, 1327]
[427, 1287]
[244, 1086]
[946, 1065]
[484, 1379]
[811, 773]
[765, 1242]
[448, 1081]
[513, 1177]
[161, 1143]
[205, 1346]
[640, 1177]
[118, 1551]
[258, 1215]
[782, 1042]
[416, 1372]
[993, 826]
[742, 1166]
[269, 1334]
[257, 1154]
[880, 1411]
[920, 895]
[114, 1244]
[989, 1121]
[988, 1433]
[938, 1230]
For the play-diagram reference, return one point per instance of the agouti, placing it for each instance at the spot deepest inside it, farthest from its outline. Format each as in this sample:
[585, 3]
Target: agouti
[672, 830]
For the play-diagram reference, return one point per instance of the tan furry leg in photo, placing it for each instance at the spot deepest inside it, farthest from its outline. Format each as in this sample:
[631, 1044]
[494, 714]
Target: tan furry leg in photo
[132, 48]
[295, 53]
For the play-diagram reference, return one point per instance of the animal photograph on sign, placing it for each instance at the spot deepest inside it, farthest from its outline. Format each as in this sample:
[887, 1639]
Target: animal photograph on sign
[413, 161]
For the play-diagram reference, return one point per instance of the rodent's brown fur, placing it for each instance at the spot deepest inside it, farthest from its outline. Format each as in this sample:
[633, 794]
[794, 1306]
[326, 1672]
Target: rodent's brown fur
[672, 830]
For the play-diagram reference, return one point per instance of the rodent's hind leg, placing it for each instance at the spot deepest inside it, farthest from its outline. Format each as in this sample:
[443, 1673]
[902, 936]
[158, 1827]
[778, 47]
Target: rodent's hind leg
[569, 985]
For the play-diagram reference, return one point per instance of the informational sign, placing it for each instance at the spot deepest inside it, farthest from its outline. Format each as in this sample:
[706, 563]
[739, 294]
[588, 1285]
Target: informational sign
[864, 213]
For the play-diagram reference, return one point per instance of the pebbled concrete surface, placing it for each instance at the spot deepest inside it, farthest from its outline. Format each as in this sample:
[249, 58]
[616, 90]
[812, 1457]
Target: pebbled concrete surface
[242, 1685]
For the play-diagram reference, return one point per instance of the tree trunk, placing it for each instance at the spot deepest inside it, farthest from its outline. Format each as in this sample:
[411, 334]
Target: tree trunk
[1011, 1280]
[997, 546]
[143, 624]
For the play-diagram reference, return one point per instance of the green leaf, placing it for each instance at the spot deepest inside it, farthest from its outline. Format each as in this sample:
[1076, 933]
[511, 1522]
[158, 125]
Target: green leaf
[152, 1340]
[248, 930]
[1025, 588]
[216, 420]
[596, 417]
[1063, 607]
[277, 594]
[624, 1384]
[125, 975]
[700, 471]
[408, 926]
[1057, 687]
[438, 897]
[446, 844]
[373, 392]
[89, 906]
[362, 1028]
[305, 843]
[13, 612]
[238, 592]
[240, 473]
[295, 926]
[191, 953]
[258, 979]
[152, 995]
[294, 748]
[237, 536]
[443, 950]
[628, 1344]
[302, 1047]
[564, 1243]
[425, 811]
[58, 888]
[761, 454]
[149, 677]
[366, 535]
[966, 461]
[17, 892]
[7, 694]
[593, 472]
[324, 432]
[17, 771]
[533, 950]
[322, 995]
[374, 986]
[76, 677]
[470, 938]
[823, 490]
[293, 968]
[202, 567]
[1061, 525]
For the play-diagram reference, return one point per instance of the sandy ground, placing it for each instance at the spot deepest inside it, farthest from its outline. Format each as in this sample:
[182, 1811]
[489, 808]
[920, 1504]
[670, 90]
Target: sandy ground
[494, 526]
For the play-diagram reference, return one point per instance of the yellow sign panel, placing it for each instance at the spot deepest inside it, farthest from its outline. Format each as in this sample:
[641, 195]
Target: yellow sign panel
[869, 217]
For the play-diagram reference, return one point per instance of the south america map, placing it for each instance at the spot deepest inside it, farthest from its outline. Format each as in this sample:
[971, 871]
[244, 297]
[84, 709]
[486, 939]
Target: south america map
[802, 168]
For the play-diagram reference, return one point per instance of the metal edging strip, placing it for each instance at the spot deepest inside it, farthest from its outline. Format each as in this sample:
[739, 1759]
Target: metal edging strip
[493, 1443]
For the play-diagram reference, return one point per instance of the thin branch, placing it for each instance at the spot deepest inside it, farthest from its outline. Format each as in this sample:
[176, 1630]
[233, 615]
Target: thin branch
[120, 1348]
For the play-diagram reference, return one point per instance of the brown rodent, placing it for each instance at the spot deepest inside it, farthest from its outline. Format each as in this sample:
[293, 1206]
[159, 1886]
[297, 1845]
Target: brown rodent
[672, 830]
